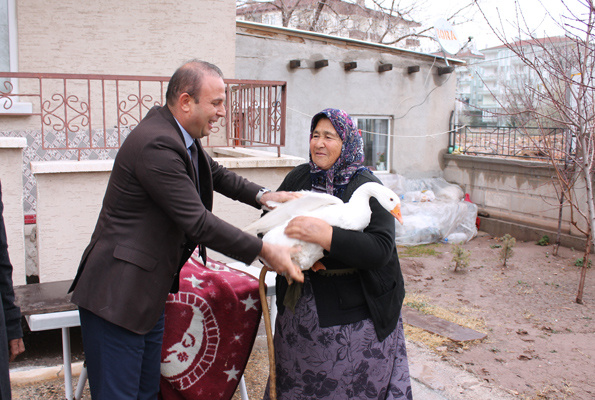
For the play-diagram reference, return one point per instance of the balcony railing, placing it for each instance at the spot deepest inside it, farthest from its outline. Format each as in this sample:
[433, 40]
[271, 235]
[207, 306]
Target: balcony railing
[498, 141]
[85, 114]
[87, 117]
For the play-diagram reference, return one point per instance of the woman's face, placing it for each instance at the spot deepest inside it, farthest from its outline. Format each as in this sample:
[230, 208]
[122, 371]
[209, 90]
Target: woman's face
[325, 145]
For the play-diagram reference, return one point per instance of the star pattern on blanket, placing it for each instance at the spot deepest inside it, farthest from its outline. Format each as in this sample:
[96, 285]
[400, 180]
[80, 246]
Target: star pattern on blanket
[232, 373]
[250, 303]
[194, 281]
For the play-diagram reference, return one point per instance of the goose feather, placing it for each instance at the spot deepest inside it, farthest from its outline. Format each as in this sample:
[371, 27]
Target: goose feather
[353, 215]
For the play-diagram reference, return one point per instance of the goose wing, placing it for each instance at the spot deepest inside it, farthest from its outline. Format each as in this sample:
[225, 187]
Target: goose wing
[307, 203]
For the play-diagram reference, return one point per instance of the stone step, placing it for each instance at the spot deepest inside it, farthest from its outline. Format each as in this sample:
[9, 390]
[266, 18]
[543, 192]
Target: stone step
[439, 326]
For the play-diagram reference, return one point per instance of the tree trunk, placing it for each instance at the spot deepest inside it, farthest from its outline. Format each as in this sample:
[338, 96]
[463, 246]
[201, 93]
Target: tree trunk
[321, 5]
[588, 176]
[559, 231]
[581, 283]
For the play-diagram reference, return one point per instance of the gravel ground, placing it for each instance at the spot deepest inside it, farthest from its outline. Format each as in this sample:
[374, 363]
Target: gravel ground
[257, 370]
[46, 351]
[46, 390]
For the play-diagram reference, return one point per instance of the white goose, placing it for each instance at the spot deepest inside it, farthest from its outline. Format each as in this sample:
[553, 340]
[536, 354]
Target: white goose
[354, 215]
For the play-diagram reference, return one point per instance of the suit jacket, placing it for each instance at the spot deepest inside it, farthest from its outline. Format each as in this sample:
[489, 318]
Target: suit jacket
[151, 220]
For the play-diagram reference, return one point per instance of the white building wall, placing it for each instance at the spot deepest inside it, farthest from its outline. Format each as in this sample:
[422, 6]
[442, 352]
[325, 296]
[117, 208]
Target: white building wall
[133, 37]
[11, 177]
[419, 104]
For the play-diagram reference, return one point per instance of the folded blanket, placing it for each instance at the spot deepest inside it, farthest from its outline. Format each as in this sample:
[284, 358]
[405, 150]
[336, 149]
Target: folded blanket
[210, 328]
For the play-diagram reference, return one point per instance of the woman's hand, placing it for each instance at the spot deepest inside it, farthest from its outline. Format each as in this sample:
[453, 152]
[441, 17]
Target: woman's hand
[310, 229]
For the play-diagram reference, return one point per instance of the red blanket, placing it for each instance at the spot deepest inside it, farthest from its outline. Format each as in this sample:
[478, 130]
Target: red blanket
[210, 328]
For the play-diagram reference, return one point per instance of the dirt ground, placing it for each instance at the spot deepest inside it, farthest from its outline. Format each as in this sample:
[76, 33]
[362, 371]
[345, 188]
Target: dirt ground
[540, 343]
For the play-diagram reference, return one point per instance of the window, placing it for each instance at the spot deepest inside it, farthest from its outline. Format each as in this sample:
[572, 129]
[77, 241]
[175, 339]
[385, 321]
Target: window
[375, 133]
[4, 37]
[8, 60]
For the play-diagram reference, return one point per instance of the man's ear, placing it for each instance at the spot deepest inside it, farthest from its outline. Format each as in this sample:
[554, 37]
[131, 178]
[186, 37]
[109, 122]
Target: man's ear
[184, 102]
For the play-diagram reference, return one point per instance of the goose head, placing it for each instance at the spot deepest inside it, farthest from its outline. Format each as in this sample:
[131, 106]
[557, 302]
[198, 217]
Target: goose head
[386, 197]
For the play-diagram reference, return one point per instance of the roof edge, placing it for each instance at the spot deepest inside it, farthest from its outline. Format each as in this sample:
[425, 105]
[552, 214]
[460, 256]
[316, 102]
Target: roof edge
[356, 42]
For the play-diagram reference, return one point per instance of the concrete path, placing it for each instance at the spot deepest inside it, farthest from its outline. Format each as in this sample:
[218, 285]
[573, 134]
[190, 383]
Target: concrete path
[431, 377]
[435, 379]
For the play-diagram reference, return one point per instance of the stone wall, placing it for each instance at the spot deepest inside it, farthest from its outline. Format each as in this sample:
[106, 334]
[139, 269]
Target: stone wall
[70, 195]
[515, 196]
[11, 177]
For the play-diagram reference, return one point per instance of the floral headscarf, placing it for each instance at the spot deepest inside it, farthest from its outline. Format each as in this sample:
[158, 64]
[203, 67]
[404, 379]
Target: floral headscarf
[350, 162]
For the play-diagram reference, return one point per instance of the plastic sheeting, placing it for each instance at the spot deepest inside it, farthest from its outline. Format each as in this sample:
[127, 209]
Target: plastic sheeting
[433, 211]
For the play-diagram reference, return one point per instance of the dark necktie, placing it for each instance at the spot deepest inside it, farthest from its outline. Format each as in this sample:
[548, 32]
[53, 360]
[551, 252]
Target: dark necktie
[194, 156]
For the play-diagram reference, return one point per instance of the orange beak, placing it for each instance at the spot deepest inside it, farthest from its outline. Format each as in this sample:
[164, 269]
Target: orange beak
[396, 212]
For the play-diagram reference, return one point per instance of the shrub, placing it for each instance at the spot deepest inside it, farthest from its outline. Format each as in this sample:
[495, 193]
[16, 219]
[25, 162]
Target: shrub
[579, 263]
[544, 241]
[460, 257]
[508, 243]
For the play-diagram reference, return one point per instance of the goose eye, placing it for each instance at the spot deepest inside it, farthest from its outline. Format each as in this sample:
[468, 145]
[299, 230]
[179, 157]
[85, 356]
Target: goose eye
[391, 199]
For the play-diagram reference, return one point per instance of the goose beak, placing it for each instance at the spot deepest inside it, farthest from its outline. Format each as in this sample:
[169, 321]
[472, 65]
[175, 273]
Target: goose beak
[396, 212]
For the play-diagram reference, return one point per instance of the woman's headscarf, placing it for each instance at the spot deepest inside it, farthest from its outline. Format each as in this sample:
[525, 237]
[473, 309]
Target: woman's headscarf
[350, 162]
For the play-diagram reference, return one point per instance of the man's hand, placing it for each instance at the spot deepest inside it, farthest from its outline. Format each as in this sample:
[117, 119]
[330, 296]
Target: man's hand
[278, 197]
[16, 347]
[278, 258]
[312, 230]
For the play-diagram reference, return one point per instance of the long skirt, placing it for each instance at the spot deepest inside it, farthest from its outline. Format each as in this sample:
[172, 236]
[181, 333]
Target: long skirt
[339, 362]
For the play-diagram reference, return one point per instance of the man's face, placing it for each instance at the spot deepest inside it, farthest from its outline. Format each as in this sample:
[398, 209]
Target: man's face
[211, 106]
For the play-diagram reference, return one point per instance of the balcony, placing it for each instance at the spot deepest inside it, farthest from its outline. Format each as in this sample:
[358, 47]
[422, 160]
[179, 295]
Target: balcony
[87, 114]
[80, 117]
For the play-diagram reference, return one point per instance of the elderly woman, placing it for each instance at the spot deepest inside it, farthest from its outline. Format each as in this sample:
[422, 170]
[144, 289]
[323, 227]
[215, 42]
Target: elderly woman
[340, 335]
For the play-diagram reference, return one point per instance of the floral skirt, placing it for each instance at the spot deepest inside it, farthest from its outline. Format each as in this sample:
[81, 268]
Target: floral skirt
[338, 362]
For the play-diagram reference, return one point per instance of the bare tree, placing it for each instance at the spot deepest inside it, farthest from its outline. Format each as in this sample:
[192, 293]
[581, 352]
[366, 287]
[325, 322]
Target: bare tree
[390, 22]
[420, 28]
[285, 7]
[564, 96]
[321, 5]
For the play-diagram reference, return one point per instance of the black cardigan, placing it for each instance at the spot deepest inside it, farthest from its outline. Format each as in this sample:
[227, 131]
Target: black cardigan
[377, 289]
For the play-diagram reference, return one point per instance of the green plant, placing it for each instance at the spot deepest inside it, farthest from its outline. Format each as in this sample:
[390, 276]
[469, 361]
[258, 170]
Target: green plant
[506, 252]
[544, 241]
[579, 263]
[419, 305]
[460, 257]
[421, 250]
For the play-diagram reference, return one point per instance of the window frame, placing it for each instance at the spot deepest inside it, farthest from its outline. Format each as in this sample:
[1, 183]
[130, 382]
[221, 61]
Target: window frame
[12, 36]
[17, 108]
[388, 151]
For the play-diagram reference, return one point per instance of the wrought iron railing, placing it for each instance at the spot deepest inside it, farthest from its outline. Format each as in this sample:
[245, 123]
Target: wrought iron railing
[82, 117]
[89, 113]
[498, 141]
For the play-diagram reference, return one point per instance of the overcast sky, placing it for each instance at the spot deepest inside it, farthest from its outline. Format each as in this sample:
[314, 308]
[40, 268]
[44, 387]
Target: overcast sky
[534, 12]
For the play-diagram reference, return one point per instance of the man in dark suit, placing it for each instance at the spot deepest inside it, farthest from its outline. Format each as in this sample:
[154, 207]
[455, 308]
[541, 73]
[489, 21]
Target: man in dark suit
[156, 210]
[11, 333]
